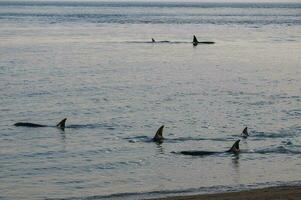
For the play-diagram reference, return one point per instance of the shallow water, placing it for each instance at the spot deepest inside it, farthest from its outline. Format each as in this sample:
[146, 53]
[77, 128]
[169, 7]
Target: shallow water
[94, 64]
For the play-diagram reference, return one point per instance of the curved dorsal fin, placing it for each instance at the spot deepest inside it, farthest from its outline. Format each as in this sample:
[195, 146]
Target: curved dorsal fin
[245, 133]
[61, 124]
[159, 134]
[153, 40]
[235, 147]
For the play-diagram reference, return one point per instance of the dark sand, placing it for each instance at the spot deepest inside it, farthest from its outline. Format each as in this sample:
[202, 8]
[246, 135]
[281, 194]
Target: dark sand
[274, 193]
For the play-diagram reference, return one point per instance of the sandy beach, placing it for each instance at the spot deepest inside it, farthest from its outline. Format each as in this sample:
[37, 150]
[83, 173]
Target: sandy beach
[275, 193]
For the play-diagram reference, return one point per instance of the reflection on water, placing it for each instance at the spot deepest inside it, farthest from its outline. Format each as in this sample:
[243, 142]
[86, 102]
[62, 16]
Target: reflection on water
[236, 168]
[160, 148]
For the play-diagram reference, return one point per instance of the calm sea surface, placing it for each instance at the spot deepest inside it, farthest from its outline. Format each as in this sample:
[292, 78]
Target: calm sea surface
[93, 63]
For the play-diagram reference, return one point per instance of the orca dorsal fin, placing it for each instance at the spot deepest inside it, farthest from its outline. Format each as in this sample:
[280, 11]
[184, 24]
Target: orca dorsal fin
[245, 133]
[195, 41]
[61, 124]
[159, 135]
[153, 40]
[235, 147]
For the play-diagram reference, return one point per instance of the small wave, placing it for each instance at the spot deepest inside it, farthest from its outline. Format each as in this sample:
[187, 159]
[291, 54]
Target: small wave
[138, 139]
[183, 139]
[33, 94]
[287, 133]
[149, 4]
[46, 154]
[175, 140]
[276, 150]
[261, 103]
[296, 113]
[288, 143]
[157, 18]
[142, 195]
[189, 191]
[91, 126]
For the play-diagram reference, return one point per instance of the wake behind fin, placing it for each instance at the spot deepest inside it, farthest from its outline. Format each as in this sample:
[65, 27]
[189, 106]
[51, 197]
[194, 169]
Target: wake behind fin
[235, 147]
[61, 124]
[159, 135]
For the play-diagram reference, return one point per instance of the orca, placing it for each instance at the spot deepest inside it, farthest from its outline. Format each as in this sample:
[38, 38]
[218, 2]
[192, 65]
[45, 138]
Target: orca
[161, 41]
[234, 149]
[61, 124]
[245, 133]
[195, 41]
[158, 138]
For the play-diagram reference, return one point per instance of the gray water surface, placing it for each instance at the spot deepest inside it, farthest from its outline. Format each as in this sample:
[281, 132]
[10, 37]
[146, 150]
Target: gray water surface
[94, 64]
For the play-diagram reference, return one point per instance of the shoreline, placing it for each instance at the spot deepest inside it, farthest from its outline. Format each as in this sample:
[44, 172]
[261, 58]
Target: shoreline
[277, 193]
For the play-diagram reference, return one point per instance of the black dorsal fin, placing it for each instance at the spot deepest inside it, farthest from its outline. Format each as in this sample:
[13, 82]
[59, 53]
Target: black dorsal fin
[245, 133]
[195, 41]
[159, 134]
[153, 40]
[235, 147]
[61, 124]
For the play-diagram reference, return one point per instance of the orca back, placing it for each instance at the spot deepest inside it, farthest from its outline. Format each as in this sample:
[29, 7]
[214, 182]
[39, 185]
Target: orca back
[233, 149]
[28, 124]
[206, 42]
[198, 153]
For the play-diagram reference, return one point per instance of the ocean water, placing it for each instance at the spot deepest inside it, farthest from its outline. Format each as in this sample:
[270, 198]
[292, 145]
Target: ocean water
[93, 63]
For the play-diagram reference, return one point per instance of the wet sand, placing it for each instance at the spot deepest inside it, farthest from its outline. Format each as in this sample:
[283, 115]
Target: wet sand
[274, 193]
